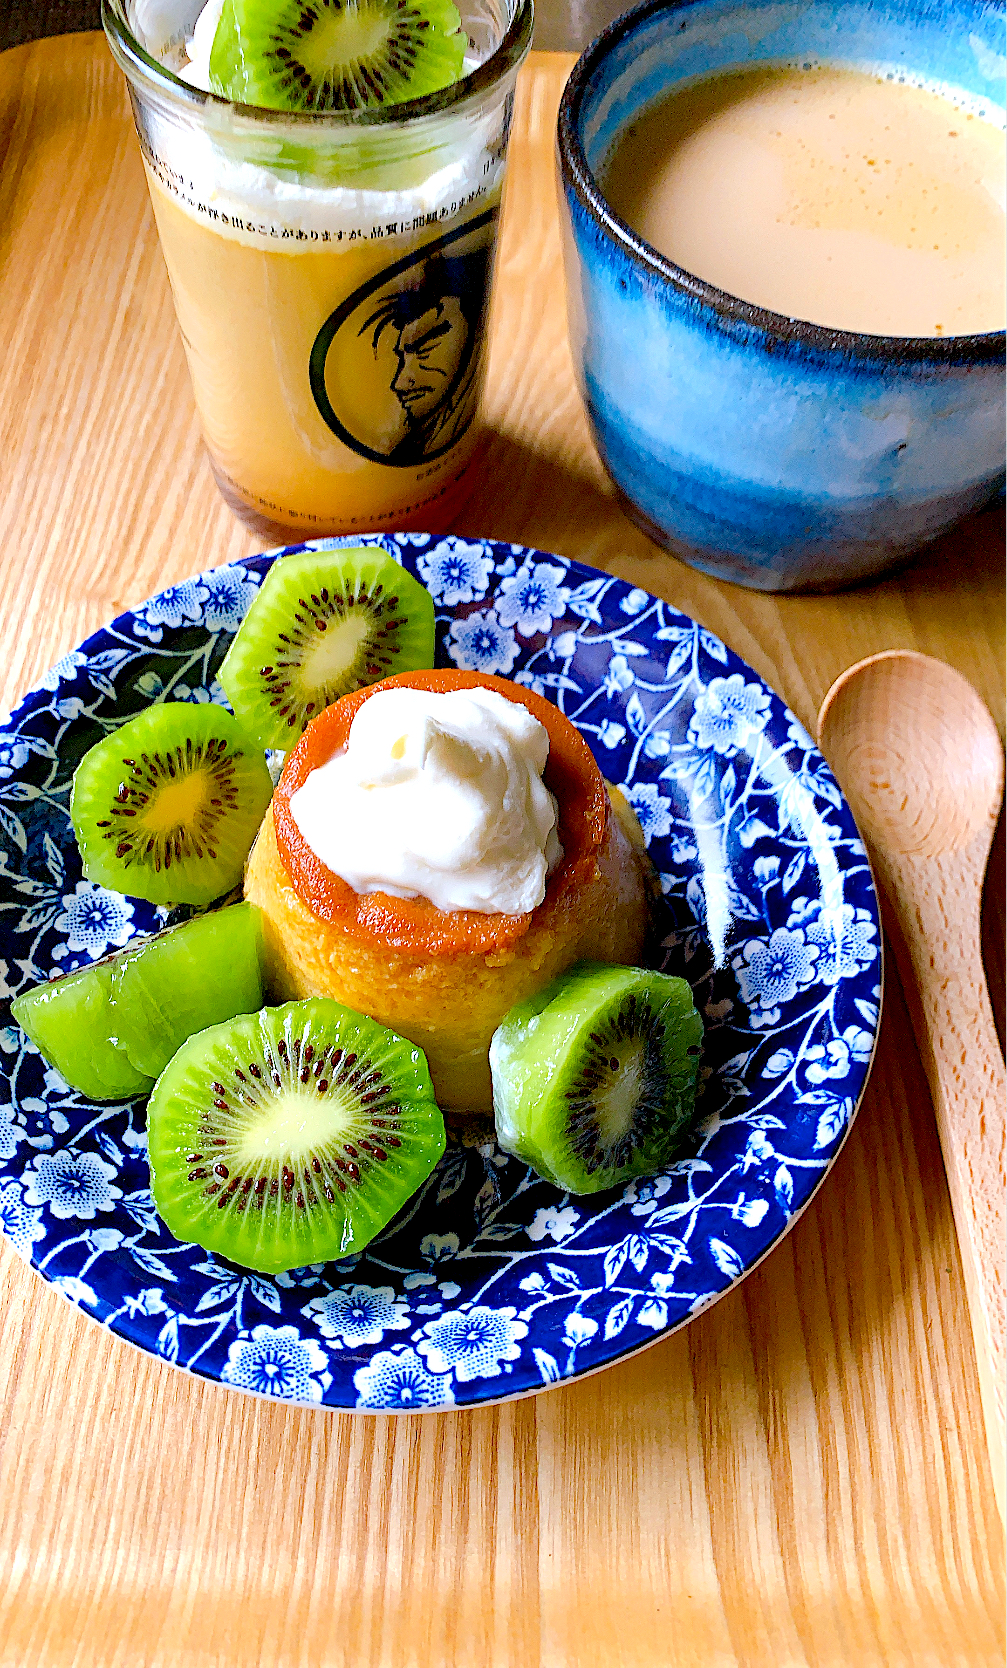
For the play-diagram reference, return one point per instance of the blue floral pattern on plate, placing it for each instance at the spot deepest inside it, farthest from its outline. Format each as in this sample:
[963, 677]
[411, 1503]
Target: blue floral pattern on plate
[489, 1283]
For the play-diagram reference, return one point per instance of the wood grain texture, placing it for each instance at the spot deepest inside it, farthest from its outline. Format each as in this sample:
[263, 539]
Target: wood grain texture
[920, 760]
[797, 1478]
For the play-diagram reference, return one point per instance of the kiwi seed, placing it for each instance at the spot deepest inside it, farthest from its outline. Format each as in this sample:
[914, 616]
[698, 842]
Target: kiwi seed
[291, 1136]
[594, 1078]
[335, 54]
[166, 807]
[324, 622]
[618, 1096]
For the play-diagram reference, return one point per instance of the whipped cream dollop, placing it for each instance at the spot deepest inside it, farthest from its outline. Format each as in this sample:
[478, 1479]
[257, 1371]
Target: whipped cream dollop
[197, 70]
[440, 796]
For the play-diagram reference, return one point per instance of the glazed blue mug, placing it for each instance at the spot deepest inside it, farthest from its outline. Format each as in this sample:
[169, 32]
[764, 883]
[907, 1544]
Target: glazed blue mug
[762, 449]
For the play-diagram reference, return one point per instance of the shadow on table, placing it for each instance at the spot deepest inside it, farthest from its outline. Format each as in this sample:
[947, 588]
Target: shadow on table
[972, 551]
[527, 496]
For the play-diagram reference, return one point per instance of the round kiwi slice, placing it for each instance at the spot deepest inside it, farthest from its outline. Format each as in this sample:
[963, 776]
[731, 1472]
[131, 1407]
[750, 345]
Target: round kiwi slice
[594, 1079]
[324, 622]
[335, 54]
[110, 1028]
[167, 806]
[291, 1136]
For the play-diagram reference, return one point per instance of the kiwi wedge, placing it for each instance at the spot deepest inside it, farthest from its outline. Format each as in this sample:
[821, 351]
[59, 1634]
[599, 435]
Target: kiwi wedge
[111, 1028]
[594, 1079]
[291, 1136]
[166, 807]
[335, 54]
[324, 622]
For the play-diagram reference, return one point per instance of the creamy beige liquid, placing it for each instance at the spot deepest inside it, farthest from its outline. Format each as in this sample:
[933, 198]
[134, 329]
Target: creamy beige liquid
[826, 195]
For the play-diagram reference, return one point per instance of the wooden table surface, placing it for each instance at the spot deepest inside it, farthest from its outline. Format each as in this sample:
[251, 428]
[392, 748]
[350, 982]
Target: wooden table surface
[799, 1476]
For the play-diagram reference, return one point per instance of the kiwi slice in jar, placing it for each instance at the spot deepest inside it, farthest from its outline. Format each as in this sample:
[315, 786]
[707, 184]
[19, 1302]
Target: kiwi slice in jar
[318, 55]
[291, 1136]
[594, 1078]
[166, 807]
[111, 1028]
[324, 622]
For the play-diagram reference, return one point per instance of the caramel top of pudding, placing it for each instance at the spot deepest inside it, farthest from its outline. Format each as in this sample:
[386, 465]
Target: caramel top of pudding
[415, 924]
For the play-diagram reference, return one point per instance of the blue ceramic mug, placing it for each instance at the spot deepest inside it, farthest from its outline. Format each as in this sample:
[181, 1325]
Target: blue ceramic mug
[763, 449]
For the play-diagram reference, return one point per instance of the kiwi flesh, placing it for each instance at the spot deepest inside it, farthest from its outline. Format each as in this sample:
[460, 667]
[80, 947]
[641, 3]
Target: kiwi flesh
[594, 1078]
[68, 1021]
[166, 807]
[291, 1136]
[323, 623]
[111, 1028]
[318, 55]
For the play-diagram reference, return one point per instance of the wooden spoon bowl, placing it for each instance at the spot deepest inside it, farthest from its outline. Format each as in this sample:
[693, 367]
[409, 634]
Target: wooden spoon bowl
[921, 758]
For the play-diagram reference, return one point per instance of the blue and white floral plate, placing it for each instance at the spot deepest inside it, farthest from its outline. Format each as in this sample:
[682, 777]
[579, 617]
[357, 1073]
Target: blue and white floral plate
[489, 1284]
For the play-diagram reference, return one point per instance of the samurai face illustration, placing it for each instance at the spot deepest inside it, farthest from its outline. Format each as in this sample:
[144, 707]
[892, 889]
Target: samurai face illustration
[434, 333]
[430, 351]
[394, 369]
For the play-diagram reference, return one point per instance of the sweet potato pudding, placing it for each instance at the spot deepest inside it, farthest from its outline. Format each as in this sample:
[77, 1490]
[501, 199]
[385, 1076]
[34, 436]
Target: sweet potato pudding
[444, 977]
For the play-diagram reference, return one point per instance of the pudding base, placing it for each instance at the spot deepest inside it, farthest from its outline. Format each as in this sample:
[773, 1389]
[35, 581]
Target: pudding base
[450, 1004]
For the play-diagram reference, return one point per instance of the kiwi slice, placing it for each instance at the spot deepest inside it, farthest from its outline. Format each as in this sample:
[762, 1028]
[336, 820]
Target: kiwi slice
[594, 1079]
[291, 1136]
[167, 806]
[335, 54]
[324, 622]
[112, 1027]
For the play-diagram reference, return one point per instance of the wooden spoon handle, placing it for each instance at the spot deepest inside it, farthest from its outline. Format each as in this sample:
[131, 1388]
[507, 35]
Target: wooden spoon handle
[937, 947]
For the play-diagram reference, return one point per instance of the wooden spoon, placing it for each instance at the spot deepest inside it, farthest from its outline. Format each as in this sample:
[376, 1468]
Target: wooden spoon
[918, 756]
